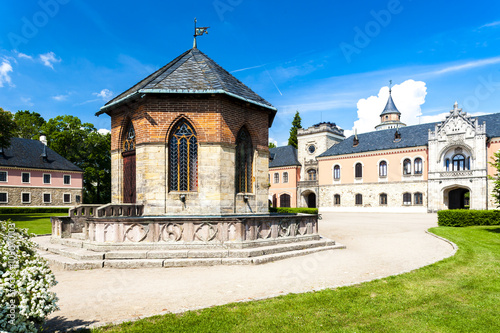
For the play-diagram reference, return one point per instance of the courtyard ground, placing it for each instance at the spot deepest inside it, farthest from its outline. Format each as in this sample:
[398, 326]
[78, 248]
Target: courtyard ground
[378, 245]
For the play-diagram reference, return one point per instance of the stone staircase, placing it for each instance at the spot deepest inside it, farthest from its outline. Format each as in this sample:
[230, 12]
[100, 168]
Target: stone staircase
[71, 254]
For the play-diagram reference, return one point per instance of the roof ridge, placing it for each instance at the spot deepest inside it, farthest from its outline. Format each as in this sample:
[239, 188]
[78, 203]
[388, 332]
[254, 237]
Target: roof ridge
[148, 79]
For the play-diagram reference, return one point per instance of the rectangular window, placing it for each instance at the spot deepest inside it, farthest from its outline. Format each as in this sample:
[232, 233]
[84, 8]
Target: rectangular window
[67, 198]
[285, 177]
[25, 177]
[276, 178]
[67, 179]
[46, 178]
[418, 198]
[78, 199]
[406, 199]
[47, 198]
[359, 199]
[26, 197]
[3, 176]
[4, 197]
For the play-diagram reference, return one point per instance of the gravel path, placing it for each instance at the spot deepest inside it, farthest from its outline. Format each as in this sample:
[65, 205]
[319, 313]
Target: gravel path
[378, 245]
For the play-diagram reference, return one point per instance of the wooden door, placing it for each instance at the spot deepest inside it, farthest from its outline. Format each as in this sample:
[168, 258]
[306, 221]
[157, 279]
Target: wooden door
[129, 184]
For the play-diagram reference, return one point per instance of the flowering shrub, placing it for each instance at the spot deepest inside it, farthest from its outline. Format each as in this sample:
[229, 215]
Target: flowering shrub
[25, 279]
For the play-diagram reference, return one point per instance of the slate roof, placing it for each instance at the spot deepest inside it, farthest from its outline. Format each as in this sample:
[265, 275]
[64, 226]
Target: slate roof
[25, 153]
[283, 156]
[192, 72]
[390, 107]
[411, 136]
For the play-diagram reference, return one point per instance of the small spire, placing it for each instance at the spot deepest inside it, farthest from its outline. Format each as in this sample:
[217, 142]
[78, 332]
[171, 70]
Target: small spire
[390, 87]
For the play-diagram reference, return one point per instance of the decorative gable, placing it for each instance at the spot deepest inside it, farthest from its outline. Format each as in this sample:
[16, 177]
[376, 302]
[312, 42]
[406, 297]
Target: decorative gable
[458, 126]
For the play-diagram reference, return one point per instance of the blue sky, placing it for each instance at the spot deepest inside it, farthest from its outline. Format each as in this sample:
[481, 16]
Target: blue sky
[330, 60]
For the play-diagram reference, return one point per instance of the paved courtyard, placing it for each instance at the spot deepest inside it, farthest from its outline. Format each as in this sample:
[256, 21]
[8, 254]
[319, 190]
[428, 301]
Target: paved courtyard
[378, 245]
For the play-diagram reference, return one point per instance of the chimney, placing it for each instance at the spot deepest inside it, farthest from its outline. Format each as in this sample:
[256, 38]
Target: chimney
[43, 139]
[355, 142]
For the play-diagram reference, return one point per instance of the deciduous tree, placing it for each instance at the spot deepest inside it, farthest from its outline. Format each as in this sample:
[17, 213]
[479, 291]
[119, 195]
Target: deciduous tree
[29, 124]
[7, 128]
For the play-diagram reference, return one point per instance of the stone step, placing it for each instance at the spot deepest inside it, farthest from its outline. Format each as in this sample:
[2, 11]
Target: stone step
[79, 236]
[77, 253]
[61, 262]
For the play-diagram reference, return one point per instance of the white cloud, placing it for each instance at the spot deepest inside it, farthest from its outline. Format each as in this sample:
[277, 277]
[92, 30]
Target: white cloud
[467, 65]
[273, 141]
[5, 69]
[105, 94]
[27, 101]
[49, 59]
[60, 98]
[103, 131]
[408, 97]
[24, 56]
[489, 25]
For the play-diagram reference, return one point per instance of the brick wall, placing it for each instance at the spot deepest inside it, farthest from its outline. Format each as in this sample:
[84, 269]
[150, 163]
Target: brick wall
[216, 119]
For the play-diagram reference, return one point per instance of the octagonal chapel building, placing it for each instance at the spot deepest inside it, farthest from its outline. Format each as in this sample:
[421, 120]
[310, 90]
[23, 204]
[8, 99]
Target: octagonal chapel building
[190, 139]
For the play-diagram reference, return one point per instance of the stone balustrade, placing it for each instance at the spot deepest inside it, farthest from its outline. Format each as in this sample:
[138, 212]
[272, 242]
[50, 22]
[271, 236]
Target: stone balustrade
[120, 210]
[456, 174]
[231, 231]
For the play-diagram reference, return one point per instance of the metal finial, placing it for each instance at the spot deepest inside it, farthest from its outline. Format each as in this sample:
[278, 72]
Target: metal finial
[198, 32]
[390, 86]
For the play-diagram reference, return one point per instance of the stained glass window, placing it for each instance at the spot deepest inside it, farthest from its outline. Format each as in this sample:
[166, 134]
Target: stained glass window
[244, 158]
[183, 157]
[129, 140]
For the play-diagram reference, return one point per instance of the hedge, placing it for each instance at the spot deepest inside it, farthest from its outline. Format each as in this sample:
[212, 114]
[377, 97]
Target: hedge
[293, 210]
[30, 210]
[466, 218]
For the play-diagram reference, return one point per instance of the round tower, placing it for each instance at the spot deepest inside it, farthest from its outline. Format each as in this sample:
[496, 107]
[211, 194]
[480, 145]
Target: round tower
[390, 117]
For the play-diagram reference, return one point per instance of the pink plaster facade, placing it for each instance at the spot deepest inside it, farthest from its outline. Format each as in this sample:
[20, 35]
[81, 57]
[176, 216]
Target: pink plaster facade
[370, 162]
[35, 192]
[277, 189]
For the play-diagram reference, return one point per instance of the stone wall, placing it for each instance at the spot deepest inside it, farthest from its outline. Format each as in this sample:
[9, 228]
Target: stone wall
[57, 199]
[371, 196]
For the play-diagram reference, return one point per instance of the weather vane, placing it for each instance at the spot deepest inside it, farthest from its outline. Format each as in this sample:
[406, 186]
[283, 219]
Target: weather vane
[198, 32]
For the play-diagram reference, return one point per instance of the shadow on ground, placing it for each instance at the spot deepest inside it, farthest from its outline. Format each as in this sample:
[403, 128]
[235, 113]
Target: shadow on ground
[62, 324]
[496, 230]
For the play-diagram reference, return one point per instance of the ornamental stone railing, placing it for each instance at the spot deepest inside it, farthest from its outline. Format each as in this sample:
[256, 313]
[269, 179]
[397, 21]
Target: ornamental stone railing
[179, 232]
[456, 174]
[74, 223]
[120, 210]
[308, 183]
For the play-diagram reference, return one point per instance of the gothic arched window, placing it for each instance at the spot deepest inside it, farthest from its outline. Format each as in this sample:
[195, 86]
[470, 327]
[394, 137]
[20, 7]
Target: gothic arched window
[183, 157]
[129, 139]
[244, 159]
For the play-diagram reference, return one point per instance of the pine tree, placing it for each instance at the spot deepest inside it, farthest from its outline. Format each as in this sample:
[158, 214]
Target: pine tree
[292, 140]
[496, 177]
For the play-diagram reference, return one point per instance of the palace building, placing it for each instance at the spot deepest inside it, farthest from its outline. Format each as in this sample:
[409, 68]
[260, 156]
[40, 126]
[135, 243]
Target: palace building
[33, 175]
[396, 168]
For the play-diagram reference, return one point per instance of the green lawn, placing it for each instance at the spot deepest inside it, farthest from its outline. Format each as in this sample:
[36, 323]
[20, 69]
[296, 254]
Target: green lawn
[458, 294]
[37, 223]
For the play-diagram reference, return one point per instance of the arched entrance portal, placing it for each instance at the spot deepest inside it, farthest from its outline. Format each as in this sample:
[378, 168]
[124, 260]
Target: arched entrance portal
[311, 200]
[458, 198]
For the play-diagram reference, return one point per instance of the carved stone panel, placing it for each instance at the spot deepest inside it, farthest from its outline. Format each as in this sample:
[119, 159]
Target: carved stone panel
[171, 232]
[264, 230]
[205, 232]
[136, 233]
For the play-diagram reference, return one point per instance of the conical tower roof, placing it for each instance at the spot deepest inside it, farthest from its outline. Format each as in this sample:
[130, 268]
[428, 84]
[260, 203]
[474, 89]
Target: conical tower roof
[390, 107]
[192, 72]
